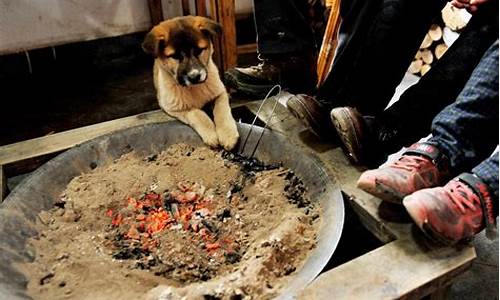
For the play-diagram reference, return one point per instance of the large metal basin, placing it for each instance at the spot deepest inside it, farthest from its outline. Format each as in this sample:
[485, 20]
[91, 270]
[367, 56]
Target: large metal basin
[37, 193]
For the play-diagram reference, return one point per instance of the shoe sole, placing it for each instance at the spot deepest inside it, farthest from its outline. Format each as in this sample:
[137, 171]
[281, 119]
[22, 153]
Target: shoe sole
[258, 91]
[305, 119]
[347, 133]
[385, 193]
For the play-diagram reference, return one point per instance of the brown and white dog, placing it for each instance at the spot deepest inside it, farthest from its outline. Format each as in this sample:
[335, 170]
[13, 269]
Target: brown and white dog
[186, 78]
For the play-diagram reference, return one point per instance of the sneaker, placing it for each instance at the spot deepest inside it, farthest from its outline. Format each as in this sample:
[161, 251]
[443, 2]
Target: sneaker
[421, 166]
[453, 213]
[309, 111]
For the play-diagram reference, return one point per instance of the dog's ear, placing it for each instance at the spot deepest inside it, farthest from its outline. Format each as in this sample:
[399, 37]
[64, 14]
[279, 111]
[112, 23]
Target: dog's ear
[155, 41]
[208, 26]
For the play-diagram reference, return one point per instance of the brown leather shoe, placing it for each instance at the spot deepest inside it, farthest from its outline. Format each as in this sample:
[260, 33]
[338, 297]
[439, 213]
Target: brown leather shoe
[308, 111]
[296, 73]
[350, 127]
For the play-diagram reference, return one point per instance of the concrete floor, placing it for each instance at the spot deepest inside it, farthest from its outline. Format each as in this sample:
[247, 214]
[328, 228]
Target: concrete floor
[60, 102]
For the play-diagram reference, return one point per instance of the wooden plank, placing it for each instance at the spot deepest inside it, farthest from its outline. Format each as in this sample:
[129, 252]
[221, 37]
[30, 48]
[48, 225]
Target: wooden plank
[247, 48]
[64, 140]
[217, 56]
[185, 8]
[156, 11]
[57, 142]
[400, 269]
[3, 184]
[201, 8]
[226, 17]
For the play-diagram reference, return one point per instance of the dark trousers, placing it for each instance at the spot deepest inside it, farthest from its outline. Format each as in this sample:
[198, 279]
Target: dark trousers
[467, 130]
[282, 27]
[382, 39]
[411, 116]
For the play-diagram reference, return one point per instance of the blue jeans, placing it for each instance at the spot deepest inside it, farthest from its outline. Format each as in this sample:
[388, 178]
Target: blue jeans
[467, 130]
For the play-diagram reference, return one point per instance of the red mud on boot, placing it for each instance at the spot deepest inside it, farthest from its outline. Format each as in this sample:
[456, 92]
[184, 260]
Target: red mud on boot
[455, 212]
[416, 169]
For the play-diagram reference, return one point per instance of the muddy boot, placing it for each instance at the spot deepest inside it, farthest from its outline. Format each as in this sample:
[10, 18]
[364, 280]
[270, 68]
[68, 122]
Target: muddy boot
[310, 113]
[364, 139]
[454, 212]
[296, 74]
[421, 166]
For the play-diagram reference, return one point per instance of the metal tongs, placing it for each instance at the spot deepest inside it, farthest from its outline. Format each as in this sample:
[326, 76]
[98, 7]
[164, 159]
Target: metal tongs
[242, 148]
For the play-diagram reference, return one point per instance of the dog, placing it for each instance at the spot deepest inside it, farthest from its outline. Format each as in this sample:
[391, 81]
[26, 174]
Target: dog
[186, 78]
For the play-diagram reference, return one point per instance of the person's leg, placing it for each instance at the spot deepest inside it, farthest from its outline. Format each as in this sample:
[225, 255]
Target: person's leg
[374, 138]
[378, 40]
[411, 116]
[467, 130]
[282, 27]
[367, 80]
[286, 47]
[464, 133]
[460, 209]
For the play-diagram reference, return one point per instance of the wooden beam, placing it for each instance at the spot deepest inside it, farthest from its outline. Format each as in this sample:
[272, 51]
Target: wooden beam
[201, 8]
[226, 17]
[25, 155]
[400, 269]
[156, 11]
[185, 8]
[64, 140]
[246, 48]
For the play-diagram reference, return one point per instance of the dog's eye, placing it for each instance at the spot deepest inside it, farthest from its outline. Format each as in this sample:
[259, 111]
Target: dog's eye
[175, 55]
[197, 51]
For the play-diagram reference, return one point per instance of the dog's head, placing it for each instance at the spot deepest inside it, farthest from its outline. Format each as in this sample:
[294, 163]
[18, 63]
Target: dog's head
[183, 47]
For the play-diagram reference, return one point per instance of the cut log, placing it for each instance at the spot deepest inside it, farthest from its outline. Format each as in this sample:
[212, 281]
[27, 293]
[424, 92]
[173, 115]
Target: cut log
[427, 56]
[427, 42]
[425, 68]
[415, 66]
[436, 33]
[440, 50]
[453, 17]
[418, 55]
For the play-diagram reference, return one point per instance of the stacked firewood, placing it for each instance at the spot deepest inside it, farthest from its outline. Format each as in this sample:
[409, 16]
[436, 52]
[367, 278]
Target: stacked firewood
[439, 37]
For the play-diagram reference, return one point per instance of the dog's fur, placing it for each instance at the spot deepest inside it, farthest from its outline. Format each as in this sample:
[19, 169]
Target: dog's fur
[186, 78]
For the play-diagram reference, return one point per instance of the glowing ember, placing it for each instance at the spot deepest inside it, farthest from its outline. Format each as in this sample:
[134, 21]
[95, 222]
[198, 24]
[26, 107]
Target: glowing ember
[145, 218]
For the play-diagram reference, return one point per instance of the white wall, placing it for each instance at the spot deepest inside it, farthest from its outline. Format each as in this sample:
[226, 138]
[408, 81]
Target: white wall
[30, 24]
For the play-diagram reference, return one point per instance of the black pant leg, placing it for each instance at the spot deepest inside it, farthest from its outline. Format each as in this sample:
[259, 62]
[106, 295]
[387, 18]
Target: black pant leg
[378, 60]
[282, 27]
[411, 116]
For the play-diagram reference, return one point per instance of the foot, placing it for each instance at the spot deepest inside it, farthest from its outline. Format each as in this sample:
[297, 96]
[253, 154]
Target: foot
[228, 135]
[350, 127]
[365, 139]
[454, 212]
[308, 111]
[416, 169]
[288, 71]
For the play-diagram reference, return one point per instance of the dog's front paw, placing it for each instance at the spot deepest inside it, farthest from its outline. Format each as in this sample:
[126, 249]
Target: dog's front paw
[211, 139]
[228, 136]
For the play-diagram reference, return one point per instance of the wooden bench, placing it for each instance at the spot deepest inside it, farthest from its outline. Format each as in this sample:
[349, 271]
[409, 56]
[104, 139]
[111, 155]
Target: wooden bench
[403, 268]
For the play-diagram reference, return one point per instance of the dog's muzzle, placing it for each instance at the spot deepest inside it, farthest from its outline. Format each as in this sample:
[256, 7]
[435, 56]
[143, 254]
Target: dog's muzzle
[194, 76]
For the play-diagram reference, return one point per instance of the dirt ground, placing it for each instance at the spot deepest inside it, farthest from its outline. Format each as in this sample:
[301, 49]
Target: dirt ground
[189, 223]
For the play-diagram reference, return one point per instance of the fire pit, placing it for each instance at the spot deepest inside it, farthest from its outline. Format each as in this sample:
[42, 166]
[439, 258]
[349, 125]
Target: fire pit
[39, 192]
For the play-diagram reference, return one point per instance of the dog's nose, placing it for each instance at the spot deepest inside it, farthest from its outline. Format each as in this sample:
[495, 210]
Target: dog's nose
[194, 77]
